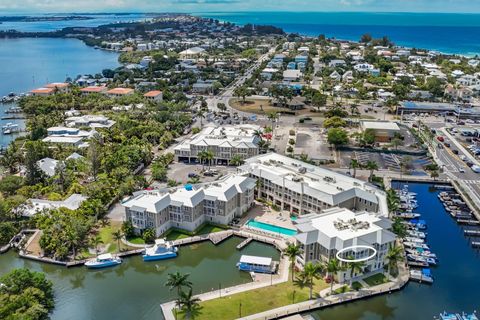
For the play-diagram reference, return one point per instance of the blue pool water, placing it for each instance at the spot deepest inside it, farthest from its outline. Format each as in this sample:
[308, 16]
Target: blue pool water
[271, 228]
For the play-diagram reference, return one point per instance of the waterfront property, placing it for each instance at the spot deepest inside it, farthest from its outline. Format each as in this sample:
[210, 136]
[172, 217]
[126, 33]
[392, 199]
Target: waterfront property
[93, 89]
[92, 121]
[190, 206]
[68, 136]
[323, 235]
[302, 188]
[119, 92]
[34, 206]
[225, 142]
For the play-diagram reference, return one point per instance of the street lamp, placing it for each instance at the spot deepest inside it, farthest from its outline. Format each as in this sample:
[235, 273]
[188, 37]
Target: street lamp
[240, 310]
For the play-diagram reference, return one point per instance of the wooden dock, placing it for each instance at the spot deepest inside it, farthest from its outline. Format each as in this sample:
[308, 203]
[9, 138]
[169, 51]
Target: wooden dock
[472, 233]
[244, 243]
[219, 237]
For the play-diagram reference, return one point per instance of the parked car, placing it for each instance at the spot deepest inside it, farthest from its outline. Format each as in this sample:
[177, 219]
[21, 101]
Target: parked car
[447, 144]
[440, 138]
[192, 175]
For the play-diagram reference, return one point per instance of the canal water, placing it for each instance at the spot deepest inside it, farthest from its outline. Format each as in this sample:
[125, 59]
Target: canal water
[457, 281]
[28, 63]
[135, 289]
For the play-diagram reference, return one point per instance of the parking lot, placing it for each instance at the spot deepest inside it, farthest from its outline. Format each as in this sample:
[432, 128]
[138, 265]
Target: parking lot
[180, 172]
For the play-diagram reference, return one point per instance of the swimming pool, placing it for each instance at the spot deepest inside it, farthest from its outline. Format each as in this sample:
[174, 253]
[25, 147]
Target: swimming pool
[271, 228]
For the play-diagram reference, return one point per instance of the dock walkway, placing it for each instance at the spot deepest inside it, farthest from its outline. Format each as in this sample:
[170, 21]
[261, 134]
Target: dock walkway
[244, 243]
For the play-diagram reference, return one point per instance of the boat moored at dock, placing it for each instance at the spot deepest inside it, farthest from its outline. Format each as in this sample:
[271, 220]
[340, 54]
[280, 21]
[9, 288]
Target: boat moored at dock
[257, 264]
[103, 261]
[162, 249]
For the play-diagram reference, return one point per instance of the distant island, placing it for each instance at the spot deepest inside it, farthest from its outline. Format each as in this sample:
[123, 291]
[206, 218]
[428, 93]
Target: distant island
[42, 18]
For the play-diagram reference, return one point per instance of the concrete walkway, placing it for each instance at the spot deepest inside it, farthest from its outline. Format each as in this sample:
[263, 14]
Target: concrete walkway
[262, 280]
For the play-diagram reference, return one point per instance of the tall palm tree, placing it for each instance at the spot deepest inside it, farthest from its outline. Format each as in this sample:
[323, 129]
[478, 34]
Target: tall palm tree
[333, 267]
[372, 166]
[202, 156]
[393, 200]
[117, 236]
[393, 256]
[178, 281]
[354, 267]
[95, 242]
[201, 116]
[354, 164]
[209, 155]
[188, 304]
[309, 273]
[292, 251]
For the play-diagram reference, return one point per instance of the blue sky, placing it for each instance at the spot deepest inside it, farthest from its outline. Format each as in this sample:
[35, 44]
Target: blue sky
[468, 6]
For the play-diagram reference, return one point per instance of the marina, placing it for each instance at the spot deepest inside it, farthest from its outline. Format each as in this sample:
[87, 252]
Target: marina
[455, 282]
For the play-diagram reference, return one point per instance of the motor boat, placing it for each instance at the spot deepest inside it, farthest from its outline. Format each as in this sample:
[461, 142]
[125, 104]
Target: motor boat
[162, 249]
[103, 261]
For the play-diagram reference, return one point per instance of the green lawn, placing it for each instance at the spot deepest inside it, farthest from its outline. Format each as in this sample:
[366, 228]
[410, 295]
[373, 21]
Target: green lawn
[107, 237]
[342, 289]
[255, 301]
[376, 279]
[175, 234]
[136, 240]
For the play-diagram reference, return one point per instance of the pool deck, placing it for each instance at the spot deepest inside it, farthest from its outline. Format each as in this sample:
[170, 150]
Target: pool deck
[263, 213]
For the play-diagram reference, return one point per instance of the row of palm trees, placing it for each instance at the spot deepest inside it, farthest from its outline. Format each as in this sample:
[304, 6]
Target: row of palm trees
[312, 271]
[207, 156]
[186, 302]
[372, 166]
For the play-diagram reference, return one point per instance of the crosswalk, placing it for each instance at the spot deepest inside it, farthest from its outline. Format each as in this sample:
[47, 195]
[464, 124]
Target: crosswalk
[471, 181]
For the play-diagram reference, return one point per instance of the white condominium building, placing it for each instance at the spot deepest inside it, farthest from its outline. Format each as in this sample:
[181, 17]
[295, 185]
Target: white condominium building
[303, 188]
[224, 141]
[190, 206]
[323, 235]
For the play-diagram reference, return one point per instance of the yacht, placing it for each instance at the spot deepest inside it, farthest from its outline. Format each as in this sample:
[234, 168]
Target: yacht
[417, 234]
[417, 258]
[422, 253]
[414, 239]
[162, 249]
[103, 261]
[423, 275]
[10, 128]
[416, 245]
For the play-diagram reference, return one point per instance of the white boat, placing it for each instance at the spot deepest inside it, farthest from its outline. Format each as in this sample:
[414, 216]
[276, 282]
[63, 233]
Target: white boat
[408, 215]
[10, 128]
[422, 253]
[414, 239]
[417, 234]
[416, 245]
[423, 275]
[162, 249]
[103, 261]
[417, 258]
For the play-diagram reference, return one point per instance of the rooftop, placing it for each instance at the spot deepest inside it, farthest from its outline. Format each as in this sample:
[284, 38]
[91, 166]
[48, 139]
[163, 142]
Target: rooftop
[120, 91]
[324, 184]
[153, 93]
[380, 125]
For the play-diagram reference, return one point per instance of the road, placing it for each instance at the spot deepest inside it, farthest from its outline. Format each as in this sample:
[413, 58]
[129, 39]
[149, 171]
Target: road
[227, 93]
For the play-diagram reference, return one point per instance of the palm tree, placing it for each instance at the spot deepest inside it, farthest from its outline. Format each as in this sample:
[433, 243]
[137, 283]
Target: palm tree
[95, 242]
[393, 200]
[202, 156]
[292, 251]
[178, 281]
[188, 304]
[372, 166]
[258, 133]
[209, 155]
[309, 273]
[117, 236]
[354, 164]
[201, 116]
[355, 267]
[393, 256]
[333, 266]
[272, 116]
[236, 160]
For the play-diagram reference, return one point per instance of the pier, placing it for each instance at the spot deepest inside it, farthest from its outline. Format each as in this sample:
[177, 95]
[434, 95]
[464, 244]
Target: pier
[244, 243]
[469, 222]
[476, 244]
[472, 233]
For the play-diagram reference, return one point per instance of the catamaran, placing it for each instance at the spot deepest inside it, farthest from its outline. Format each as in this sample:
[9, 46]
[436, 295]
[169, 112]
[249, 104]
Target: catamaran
[162, 249]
